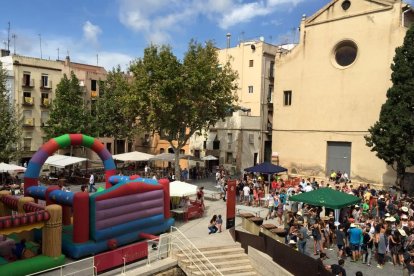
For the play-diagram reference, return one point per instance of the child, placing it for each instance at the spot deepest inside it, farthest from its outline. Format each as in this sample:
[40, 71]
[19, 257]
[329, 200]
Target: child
[219, 222]
[212, 228]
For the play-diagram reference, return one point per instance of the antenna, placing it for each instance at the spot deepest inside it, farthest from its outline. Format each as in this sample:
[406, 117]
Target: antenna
[8, 37]
[97, 59]
[40, 42]
[58, 53]
[14, 43]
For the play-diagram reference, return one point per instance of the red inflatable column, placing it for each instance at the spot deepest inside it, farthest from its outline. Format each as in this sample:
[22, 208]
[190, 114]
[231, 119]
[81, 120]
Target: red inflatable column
[166, 187]
[66, 215]
[81, 217]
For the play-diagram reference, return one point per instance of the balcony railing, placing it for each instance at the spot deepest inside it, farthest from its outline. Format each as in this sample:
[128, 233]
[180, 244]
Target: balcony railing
[28, 83]
[45, 102]
[44, 123]
[28, 122]
[28, 101]
[45, 86]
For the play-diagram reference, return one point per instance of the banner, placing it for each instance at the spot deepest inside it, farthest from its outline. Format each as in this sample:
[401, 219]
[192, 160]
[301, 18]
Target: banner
[231, 203]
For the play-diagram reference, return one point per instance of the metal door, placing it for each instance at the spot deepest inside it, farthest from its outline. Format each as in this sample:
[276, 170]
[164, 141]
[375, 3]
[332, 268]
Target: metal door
[339, 157]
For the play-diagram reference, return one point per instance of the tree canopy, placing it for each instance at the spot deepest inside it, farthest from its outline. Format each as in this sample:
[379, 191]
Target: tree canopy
[69, 113]
[109, 118]
[10, 125]
[177, 98]
[392, 136]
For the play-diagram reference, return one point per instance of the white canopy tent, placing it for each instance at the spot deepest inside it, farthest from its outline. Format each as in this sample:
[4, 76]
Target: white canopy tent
[61, 161]
[209, 158]
[178, 188]
[169, 157]
[4, 167]
[133, 156]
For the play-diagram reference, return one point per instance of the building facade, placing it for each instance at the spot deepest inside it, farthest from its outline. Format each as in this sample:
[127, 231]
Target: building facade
[32, 83]
[331, 86]
[245, 138]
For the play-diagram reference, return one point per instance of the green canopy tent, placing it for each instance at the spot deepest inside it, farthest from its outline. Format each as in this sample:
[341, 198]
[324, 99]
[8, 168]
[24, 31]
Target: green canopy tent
[327, 197]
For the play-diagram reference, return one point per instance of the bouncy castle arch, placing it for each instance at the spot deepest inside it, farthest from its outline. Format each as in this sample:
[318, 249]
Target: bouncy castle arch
[39, 158]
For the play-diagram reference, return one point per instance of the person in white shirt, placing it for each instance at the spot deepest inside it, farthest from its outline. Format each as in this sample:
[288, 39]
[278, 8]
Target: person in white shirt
[308, 188]
[270, 205]
[246, 194]
[92, 183]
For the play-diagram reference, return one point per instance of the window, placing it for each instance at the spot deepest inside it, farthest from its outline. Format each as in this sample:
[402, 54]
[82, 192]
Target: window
[162, 150]
[271, 69]
[251, 63]
[270, 94]
[27, 144]
[197, 153]
[93, 85]
[216, 145]
[205, 145]
[251, 138]
[27, 98]
[287, 99]
[345, 53]
[26, 79]
[170, 150]
[182, 151]
[229, 158]
[346, 4]
[44, 117]
[250, 88]
[230, 138]
[109, 147]
[45, 81]
[45, 99]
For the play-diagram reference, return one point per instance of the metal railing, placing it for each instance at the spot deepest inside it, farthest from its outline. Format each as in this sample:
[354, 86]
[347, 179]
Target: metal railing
[70, 269]
[180, 243]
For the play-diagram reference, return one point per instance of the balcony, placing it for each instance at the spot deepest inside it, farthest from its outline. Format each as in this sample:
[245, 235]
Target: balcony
[28, 83]
[28, 122]
[28, 101]
[45, 103]
[45, 85]
[44, 123]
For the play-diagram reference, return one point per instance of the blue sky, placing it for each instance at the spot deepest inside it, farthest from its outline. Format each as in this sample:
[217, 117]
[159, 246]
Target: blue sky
[119, 30]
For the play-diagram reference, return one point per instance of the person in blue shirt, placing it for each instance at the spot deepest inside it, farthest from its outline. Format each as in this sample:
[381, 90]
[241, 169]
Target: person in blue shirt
[355, 236]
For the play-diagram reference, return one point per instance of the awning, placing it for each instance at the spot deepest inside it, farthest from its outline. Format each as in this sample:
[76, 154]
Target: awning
[178, 188]
[326, 197]
[61, 161]
[4, 167]
[133, 156]
[209, 158]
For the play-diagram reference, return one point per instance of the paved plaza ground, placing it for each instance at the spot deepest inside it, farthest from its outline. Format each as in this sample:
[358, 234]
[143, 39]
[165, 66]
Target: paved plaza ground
[196, 230]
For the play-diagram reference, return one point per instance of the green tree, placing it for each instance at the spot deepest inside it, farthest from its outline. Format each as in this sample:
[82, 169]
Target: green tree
[175, 99]
[10, 125]
[69, 112]
[110, 119]
[392, 136]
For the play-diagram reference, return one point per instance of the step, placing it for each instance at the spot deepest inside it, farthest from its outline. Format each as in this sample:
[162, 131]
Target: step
[218, 264]
[202, 249]
[221, 252]
[214, 259]
[226, 270]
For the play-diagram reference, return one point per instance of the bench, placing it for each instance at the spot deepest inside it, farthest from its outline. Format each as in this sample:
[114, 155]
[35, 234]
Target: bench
[254, 210]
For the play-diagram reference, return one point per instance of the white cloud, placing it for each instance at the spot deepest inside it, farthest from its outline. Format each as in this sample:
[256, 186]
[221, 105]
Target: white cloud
[159, 19]
[91, 32]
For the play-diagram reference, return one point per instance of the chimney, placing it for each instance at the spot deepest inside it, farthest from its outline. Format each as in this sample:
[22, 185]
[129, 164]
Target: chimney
[67, 61]
[228, 35]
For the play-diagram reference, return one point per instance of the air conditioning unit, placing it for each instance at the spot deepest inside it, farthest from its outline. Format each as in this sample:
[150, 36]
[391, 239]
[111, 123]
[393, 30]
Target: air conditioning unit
[28, 122]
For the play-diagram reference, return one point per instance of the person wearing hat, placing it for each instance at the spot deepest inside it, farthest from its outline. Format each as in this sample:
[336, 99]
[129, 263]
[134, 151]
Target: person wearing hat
[404, 221]
[355, 235]
[381, 205]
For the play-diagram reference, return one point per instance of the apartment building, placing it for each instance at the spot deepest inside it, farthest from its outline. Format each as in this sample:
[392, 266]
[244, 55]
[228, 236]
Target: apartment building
[331, 86]
[245, 138]
[32, 83]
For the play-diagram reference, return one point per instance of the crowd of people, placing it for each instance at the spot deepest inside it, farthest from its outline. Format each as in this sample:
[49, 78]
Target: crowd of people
[377, 231]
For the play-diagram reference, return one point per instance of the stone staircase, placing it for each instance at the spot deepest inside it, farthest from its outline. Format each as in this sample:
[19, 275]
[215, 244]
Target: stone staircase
[229, 260]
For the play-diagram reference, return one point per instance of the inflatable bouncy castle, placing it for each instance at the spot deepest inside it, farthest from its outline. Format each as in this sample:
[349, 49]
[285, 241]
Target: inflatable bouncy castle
[128, 208]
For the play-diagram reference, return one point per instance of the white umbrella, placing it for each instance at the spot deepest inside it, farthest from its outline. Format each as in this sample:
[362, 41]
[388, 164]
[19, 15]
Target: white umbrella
[133, 156]
[178, 188]
[11, 168]
[208, 158]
